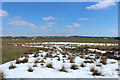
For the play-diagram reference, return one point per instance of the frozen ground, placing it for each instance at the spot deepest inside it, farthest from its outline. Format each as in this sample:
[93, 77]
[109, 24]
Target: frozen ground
[49, 64]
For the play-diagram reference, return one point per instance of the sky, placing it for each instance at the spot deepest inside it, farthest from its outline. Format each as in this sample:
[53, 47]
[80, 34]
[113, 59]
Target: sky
[60, 18]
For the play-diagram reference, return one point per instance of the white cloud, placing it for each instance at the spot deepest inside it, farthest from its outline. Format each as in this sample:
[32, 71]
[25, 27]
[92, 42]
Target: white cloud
[74, 25]
[21, 23]
[71, 30]
[83, 18]
[18, 22]
[3, 13]
[113, 31]
[49, 24]
[48, 18]
[102, 4]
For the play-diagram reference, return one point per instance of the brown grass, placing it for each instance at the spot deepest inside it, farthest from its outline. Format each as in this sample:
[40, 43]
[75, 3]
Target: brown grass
[37, 61]
[74, 67]
[89, 61]
[50, 65]
[25, 60]
[18, 61]
[9, 50]
[42, 61]
[2, 75]
[30, 69]
[95, 72]
[63, 69]
[98, 65]
[35, 65]
[82, 65]
[103, 61]
[12, 66]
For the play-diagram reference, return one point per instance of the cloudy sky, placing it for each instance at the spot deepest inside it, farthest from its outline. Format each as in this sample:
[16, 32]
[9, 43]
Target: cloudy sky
[60, 19]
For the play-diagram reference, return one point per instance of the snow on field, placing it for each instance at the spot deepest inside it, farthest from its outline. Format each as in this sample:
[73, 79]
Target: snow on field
[61, 64]
[67, 43]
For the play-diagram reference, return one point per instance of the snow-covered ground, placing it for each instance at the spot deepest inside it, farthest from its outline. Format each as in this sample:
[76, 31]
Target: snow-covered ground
[74, 65]
[73, 43]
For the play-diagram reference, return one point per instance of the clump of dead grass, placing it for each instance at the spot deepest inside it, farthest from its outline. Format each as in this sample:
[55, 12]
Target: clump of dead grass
[12, 66]
[63, 69]
[30, 69]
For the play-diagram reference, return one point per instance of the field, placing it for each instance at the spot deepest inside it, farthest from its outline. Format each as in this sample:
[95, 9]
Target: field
[63, 56]
[9, 50]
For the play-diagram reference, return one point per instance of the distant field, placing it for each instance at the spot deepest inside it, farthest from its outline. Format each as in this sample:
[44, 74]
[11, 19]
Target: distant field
[63, 39]
[10, 52]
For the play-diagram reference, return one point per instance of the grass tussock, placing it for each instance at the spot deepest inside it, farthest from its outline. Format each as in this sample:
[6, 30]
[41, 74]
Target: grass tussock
[12, 66]
[98, 65]
[50, 65]
[95, 72]
[35, 65]
[18, 61]
[2, 75]
[30, 69]
[82, 65]
[58, 58]
[89, 61]
[42, 61]
[74, 67]
[36, 55]
[88, 57]
[25, 60]
[103, 61]
[63, 69]
[71, 58]
[37, 61]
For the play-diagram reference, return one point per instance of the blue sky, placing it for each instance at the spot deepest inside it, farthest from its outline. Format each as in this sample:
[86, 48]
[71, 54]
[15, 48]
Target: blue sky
[59, 19]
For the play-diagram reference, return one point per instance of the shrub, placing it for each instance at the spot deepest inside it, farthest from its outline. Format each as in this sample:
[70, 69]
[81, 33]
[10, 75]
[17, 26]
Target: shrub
[12, 66]
[36, 55]
[95, 72]
[25, 60]
[71, 58]
[42, 61]
[18, 61]
[37, 61]
[55, 56]
[88, 57]
[2, 75]
[97, 57]
[42, 64]
[63, 61]
[89, 61]
[103, 61]
[41, 55]
[50, 65]
[112, 62]
[82, 56]
[44, 58]
[26, 56]
[63, 69]
[47, 55]
[30, 69]
[98, 65]
[58, 59]
[64, 56]
[35, 65]
[74, 67]
[72, 61]
[82, 65]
